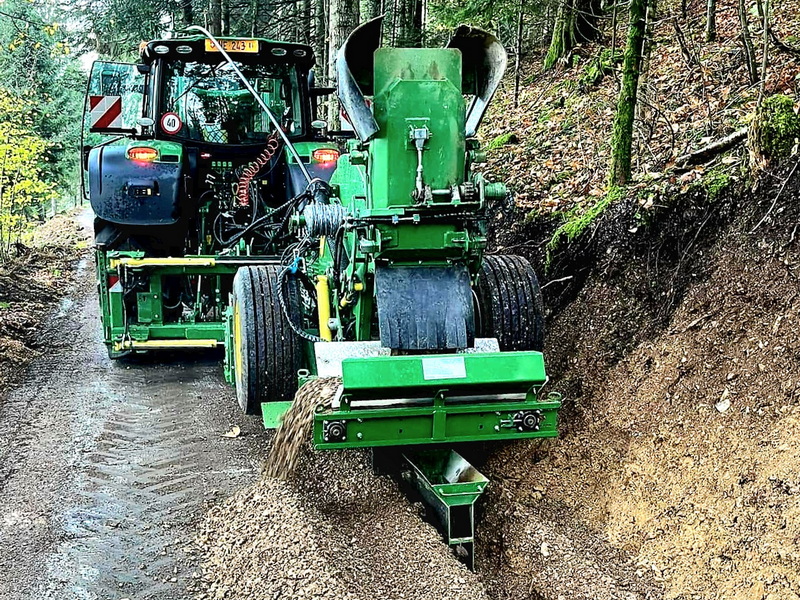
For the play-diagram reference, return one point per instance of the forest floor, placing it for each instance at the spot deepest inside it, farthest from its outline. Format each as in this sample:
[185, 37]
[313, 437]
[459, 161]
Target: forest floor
[553, 144]
[32, 281]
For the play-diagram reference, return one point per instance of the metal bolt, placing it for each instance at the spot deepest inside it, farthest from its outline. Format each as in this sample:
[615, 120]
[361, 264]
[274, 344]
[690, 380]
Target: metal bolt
[360, 435]
[497, 427]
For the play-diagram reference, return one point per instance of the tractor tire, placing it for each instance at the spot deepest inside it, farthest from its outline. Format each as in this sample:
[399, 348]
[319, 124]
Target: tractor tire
[508, 303]
[267, 354]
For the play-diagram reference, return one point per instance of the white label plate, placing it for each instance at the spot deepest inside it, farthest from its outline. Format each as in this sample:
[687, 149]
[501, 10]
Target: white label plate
[444, 367]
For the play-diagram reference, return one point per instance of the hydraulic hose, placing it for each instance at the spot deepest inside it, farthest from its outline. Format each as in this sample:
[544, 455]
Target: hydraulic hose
[252, 169]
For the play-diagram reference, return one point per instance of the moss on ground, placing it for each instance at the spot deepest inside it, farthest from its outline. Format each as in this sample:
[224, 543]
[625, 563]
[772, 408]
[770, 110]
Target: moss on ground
[715, 182]
[777, 127]
[580, 218]
[502, 140]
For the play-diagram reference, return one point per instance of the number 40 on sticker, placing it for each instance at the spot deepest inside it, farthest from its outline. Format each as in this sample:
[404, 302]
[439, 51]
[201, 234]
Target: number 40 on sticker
[171, 123]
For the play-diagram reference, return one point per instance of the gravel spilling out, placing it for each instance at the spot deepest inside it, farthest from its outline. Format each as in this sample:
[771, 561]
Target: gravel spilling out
[329, 529]
[293, 435]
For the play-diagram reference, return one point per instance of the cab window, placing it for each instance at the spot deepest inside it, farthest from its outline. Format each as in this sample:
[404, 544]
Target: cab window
[208, 102]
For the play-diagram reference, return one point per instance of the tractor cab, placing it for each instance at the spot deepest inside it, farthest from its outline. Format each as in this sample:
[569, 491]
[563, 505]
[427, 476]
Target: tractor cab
[197, 98]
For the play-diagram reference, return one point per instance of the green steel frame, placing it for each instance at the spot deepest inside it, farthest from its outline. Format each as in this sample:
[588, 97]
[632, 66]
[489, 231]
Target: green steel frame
[150, 330]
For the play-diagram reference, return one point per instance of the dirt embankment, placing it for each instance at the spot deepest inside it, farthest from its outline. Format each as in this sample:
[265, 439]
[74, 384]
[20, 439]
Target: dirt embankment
[676, 346]
[31, 283]
[674, 341]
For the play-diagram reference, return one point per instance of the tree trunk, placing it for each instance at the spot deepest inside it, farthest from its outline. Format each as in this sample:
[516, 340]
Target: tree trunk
[304, 18]
[370, 9]
[576, 22]
[644, 96]
[711, 21]
[563, 39]
[518, 51]
[187, 12]
[254, 16]
[622, 136]
[417, 23]
[215, 17]
[319, 40]
[747, 43]
[765, 55]
[343, 18]
[225, 26]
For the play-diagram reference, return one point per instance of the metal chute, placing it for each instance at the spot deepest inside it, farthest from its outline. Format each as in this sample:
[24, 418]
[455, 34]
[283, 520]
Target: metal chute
[483, 64]
[354, 64]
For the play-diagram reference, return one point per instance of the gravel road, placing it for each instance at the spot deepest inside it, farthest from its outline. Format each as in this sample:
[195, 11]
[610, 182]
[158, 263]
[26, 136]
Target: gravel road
[105, 466]
[109, 470]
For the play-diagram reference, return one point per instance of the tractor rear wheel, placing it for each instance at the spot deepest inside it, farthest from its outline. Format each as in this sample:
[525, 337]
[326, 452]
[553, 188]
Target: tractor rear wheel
[509, 303]
[267, 354]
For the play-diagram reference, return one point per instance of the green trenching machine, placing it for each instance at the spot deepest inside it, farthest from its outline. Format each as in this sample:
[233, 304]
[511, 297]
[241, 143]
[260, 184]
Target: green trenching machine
[227, 217]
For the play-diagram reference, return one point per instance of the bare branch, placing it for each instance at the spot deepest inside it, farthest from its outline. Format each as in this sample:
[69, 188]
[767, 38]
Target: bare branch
[713, 149]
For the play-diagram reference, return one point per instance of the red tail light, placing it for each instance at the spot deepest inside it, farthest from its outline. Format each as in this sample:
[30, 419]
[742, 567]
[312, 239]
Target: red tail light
[142, 153]
[325, 155]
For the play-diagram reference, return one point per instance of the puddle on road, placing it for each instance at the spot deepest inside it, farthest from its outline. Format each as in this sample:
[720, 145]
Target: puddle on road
[63, 307]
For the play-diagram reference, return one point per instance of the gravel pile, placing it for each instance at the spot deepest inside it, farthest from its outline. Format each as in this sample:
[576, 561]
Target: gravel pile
[332, 530]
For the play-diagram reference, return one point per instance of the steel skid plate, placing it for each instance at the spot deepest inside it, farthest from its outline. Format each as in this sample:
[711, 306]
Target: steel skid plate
[450, 486]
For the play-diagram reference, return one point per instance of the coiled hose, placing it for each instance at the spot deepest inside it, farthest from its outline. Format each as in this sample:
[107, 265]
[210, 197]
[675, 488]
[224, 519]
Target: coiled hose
[324, 219]
[252, 169]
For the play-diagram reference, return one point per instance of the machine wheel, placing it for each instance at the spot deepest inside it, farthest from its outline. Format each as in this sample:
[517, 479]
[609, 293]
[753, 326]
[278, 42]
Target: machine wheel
[267, 354]
[509, 303]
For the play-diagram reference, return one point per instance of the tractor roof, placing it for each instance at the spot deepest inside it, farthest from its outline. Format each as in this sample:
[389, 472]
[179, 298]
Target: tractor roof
[245, 50]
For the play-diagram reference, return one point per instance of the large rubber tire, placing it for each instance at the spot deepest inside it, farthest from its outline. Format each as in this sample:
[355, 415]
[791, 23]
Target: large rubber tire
[267, 354]
[509, 303]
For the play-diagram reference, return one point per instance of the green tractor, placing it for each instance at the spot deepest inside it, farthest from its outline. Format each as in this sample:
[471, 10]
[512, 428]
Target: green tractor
[227, 216]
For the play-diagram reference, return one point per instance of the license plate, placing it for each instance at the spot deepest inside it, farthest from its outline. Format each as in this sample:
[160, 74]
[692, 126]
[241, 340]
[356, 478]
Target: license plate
[250, 46]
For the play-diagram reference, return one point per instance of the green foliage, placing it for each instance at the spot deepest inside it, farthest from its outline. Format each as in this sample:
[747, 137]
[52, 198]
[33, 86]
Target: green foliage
[39, 68]
[715, 181]
[23, 186]
[578, 219]
[601, 65]
[502, 140]
[777, 126]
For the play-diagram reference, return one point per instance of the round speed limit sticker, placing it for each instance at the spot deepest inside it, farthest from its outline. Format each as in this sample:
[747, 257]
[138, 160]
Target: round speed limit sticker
[171, 123]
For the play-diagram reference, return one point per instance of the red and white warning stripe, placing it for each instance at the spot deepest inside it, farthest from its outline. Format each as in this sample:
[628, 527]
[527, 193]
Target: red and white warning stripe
[106, 112]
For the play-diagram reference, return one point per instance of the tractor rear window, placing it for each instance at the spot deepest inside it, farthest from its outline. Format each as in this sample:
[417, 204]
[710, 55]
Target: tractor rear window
[212, 104]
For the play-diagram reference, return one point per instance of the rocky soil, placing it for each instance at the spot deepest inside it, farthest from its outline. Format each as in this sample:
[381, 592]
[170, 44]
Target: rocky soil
[334, 530]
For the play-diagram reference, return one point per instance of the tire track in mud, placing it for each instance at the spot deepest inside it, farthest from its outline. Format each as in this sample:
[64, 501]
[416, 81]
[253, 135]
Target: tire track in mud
[105, 467]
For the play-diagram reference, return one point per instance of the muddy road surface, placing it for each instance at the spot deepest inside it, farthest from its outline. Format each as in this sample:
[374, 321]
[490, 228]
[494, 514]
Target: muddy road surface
[105, 466]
